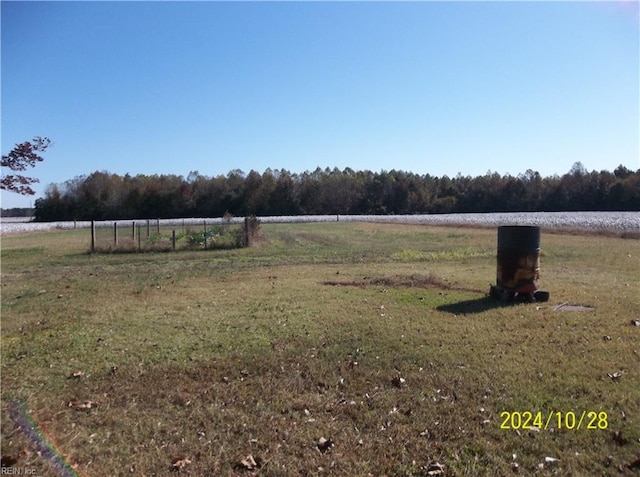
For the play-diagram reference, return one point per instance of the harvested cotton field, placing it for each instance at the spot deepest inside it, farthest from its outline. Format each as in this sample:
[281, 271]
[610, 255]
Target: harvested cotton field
[621, 221]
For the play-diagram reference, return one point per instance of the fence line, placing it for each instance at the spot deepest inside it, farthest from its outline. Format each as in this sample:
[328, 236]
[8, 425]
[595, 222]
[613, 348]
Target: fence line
[119, 236]
[621, 221]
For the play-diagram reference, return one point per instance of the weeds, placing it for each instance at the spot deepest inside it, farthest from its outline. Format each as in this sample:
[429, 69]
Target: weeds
[215, 237]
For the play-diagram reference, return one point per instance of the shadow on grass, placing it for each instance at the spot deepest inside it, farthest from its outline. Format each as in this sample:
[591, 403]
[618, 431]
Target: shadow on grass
[474, 305]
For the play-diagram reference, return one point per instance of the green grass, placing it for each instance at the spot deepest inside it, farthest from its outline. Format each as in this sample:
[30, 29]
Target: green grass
[212, 356]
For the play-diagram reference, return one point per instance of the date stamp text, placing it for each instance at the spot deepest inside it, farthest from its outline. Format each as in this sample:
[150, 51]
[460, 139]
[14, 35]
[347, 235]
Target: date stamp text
[571, 420]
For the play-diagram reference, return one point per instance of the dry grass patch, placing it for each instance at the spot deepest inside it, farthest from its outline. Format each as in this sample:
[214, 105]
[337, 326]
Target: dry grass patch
[415, 280]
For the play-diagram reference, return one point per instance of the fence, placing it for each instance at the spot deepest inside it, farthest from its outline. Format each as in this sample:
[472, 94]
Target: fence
[151, 235]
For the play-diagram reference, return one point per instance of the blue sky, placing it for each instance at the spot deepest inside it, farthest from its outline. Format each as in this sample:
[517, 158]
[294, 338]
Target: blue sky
[429, 87]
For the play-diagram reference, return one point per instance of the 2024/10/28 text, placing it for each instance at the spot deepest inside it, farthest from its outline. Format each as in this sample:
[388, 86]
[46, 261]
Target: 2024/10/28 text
[562, 420]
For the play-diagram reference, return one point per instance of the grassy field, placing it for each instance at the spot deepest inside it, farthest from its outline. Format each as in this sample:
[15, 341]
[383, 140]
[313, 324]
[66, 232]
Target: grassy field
[339, 349]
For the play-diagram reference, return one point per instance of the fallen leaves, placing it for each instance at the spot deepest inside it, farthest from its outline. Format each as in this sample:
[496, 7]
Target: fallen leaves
[324, 445]
[178, 464]
[435, 468]
[548, 461]
[82, 405]
[615, 376]
[249, 462]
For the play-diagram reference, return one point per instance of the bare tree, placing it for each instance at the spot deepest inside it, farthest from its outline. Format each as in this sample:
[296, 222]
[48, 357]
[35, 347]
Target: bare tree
[19, 158]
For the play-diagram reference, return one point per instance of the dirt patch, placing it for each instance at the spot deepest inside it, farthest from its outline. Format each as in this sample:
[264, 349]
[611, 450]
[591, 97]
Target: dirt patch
[415, 280]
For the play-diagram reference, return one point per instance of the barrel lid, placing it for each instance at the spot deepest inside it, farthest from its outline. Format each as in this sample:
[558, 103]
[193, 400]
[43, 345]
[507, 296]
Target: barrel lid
[525, 238]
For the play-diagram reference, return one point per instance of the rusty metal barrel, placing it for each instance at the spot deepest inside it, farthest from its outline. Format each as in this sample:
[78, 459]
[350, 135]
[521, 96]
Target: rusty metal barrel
[518, 258]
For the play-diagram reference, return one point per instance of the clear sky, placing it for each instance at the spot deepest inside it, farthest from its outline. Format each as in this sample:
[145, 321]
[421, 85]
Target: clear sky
[429, 87]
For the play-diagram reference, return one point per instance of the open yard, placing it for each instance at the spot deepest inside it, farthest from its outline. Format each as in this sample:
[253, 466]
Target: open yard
[345, 349]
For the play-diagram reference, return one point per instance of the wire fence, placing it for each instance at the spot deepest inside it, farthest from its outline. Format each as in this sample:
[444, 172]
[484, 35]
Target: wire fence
[153, 236]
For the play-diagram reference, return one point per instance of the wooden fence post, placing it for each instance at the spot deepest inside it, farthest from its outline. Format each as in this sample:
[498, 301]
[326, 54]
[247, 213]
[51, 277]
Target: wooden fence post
[93, 236]
[115, 233]
[133, 231]
[158, 226]
[204, 235]
[173, 240]
[148, 229]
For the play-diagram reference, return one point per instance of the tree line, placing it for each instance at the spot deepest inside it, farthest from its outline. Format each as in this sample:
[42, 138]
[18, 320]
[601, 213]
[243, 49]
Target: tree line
[105, 196]
[16, 212]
